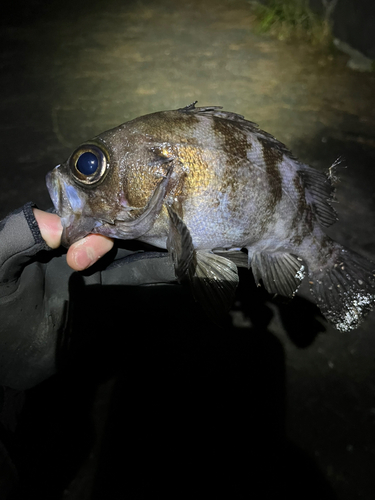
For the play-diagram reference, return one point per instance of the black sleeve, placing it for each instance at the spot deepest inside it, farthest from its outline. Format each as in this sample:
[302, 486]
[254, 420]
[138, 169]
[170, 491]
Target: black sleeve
[20, 239]
[27, 339]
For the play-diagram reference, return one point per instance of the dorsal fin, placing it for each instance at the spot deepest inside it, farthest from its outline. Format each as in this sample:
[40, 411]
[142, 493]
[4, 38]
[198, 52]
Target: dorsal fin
[320, 193]
[218, 112]
[240, 122]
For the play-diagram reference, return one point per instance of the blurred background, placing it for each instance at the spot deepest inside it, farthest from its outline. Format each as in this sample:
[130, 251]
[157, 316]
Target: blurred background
[303, 393]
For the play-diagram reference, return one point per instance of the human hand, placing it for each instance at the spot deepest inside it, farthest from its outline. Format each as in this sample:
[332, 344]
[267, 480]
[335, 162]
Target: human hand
[83, 253]
[35, 294]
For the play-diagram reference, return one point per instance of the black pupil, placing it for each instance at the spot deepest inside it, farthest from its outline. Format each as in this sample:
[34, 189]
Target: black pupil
[87, 163]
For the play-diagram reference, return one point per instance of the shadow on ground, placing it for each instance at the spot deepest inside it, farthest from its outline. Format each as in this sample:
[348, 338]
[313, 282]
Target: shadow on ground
[193, 410]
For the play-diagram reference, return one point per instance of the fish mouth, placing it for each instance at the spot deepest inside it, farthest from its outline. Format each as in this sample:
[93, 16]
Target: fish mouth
[75, 228]
[69, 206]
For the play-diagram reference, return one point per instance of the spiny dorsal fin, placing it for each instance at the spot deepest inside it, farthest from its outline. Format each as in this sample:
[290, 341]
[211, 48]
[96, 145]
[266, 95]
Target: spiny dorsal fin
[218, 112]
[189, 107]
[280, 272]
[322, 194]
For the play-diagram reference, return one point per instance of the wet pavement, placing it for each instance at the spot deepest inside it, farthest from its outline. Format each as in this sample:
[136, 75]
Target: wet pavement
[73, 70]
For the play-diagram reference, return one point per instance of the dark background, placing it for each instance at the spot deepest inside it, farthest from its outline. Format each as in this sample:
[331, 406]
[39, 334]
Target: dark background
[277, 398]
[353, 23]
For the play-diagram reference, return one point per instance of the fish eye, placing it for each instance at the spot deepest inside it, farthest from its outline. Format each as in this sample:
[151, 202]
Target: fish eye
[89, 164]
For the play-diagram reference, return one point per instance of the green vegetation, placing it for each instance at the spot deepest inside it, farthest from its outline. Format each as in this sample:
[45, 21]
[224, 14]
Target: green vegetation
[293, 20]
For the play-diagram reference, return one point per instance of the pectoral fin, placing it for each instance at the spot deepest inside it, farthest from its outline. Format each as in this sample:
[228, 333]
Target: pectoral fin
[280, 272]
[180, 246]
[213, 278]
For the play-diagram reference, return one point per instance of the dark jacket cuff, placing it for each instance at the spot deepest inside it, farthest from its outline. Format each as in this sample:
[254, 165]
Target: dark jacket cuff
[20, 240]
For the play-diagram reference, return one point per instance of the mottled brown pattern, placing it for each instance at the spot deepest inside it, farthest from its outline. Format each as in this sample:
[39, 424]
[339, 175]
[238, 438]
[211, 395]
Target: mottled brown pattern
[272, 158]
[297, 227]
[302, 221]
[233, 139]
[234, 144]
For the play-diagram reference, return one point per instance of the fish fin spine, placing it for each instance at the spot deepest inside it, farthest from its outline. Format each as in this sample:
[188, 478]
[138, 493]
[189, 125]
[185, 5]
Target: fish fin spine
[189, 107]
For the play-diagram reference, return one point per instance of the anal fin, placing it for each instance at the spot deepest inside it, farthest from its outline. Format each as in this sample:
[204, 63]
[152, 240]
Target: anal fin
[214, 283]
[281, 272]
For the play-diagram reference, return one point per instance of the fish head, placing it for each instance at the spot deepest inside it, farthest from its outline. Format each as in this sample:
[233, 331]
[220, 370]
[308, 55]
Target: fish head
[113, 185]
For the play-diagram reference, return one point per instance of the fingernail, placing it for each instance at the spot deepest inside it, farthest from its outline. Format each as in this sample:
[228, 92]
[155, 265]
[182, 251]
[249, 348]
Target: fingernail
[84, 258]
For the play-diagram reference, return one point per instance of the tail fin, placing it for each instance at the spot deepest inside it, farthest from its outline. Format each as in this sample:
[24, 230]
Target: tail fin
[345, 291]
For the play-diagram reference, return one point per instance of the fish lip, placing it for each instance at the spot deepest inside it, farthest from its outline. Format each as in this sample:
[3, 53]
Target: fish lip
[75, 228]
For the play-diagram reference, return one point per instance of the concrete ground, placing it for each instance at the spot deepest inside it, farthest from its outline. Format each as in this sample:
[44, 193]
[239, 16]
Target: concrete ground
[297, 395]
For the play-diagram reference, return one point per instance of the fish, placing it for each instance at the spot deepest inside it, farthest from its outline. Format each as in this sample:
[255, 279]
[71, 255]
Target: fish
[217, 193]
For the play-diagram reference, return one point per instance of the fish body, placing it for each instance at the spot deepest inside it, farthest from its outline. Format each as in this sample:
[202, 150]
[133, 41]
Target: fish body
[207, 184]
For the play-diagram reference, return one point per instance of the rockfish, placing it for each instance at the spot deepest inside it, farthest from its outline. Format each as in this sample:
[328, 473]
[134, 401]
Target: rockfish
[216, 192]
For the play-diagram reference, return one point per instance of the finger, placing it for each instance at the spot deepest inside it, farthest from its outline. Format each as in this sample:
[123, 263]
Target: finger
[50, 227]
[85, 252]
